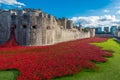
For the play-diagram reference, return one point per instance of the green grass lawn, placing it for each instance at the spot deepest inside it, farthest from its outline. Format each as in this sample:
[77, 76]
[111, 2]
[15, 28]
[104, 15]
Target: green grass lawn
[8, 75]
[107, 71]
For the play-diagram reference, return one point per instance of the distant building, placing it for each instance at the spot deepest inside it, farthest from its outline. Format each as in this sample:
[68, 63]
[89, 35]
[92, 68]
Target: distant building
[113, 30]
[106, 30]
[98, 30]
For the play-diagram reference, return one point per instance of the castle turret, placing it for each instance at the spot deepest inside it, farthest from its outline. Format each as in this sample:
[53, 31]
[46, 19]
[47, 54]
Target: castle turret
[63, 22]
[69, 24]
[92, 32]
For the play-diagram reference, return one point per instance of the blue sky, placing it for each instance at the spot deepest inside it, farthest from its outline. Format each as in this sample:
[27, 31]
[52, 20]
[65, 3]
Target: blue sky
[86, 12]
[67, 8]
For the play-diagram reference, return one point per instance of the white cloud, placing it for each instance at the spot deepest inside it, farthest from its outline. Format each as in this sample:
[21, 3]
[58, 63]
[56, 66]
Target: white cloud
[118, 12]
[96, 21]
[117, 7]
[11, 2]
[106, 11]
[107, 16]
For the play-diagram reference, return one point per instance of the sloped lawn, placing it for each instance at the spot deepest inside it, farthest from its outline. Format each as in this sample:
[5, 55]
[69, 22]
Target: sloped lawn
[9, 74]
[68, 58]
[107, 71]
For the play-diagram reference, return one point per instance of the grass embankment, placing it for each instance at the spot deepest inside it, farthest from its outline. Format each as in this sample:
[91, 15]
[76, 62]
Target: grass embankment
[107, 71]
[8, 75]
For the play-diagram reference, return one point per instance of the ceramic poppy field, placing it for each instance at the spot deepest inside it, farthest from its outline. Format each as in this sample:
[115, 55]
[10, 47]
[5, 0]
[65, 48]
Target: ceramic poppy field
[47, 62]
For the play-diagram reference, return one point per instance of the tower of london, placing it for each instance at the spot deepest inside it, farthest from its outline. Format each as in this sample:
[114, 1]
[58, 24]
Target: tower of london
[34, 27]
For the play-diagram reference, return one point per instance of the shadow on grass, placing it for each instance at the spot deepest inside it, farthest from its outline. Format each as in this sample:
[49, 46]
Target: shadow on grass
[9, 74]
[117, 41]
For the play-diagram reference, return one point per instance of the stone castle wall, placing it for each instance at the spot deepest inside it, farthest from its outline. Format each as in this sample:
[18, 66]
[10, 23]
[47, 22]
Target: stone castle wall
[55, 36]
[4, 27]
[33, 27]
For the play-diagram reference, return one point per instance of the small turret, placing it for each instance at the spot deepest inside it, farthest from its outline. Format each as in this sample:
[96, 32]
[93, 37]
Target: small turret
[41, 15]
[69, 24]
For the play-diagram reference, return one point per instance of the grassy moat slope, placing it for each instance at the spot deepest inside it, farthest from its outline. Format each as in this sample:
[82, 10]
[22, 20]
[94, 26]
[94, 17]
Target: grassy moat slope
[107, 71]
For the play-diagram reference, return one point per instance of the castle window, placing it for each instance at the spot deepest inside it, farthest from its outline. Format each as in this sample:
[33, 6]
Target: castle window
[25, 16]
[48, 27]
[41, 14]
[34, 27]
[14, 26]
[48, 16]
[13, 17]
[24, 26]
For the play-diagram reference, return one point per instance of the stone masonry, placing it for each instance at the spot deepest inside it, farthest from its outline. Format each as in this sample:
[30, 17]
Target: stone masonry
[34, 27]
